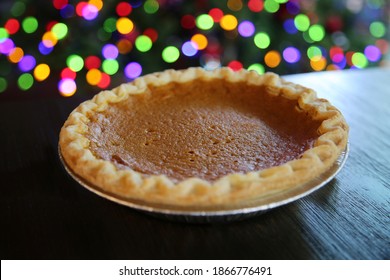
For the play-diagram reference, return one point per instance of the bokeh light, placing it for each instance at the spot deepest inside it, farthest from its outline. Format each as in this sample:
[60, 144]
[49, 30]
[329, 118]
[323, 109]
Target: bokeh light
[93, 76]
[60, 30]
[41, 72]
[257, 67]
[272, 59]
[302, 22]
[151, 6]
[75, 62]
[291, 55]
[30, 24]
[92, 62]
[228, 22]
[110, 51]
[372, 53]
[110, 66]
[123, 9]
[189, 48]
[67, 87]
[216, 14]
[143, 43]
[271, 6]
[377, 29]
[3, 84]
[262, 40]
[204, 22]
[246, 28]
[25, 81]
[133, 70]
[15, 55]
[27, 63]
[316, 32]
[170, 54]
[12, 26]
[123, 25]
[93, 43]
[200, 41]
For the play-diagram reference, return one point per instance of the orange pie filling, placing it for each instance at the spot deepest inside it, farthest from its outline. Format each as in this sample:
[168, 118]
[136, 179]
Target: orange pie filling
[201, 129]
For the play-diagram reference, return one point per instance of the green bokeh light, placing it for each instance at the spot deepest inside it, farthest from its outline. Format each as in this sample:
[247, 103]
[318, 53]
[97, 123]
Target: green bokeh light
[271, 6]
[257, 67]
[75, 62]
[3, 84]
[109, 25]
[18, 9]
[262, 40]
[25, 81]
[143, 43]
[204, 22]
[170, 54]
[60, 30]
[377, 29]
[359, 60]
[110, 66]
[302, 22]
[316, 32]
[3, 34]
[30, 24]
[313, 52]
[151, 6]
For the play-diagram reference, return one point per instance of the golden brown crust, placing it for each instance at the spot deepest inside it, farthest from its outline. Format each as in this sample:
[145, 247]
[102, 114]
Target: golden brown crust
[332, 140]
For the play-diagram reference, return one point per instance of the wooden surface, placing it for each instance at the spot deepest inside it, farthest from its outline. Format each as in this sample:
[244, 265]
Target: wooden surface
[45, 214]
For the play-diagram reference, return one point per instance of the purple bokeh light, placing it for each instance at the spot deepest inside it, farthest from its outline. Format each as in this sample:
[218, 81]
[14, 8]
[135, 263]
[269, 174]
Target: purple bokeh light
[110, 51]
[133, 70]
[291, 55]
[6, 46]
[372, 53]
[27, 63]
[189, 48]
[246, 28]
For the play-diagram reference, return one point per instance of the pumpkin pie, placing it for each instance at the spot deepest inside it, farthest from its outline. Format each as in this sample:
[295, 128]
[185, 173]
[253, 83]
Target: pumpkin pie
[198, 137]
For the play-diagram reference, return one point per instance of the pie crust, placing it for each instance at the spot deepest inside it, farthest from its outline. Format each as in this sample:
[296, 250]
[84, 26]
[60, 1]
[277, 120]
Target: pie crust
[77, 146]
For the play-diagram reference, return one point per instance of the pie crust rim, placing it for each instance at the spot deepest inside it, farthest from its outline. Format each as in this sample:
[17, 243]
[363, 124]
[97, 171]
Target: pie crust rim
[232, 188]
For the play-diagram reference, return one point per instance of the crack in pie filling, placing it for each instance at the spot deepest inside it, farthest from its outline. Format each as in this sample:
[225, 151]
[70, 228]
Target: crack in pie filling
[197, 137]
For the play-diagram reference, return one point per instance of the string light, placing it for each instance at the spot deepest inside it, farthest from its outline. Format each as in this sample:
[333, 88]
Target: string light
[121, 37]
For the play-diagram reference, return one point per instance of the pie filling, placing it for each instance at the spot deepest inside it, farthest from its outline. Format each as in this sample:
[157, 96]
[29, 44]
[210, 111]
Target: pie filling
[201, 129]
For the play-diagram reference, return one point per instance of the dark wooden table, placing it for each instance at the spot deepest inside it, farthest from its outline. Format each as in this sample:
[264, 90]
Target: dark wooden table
[45, 214]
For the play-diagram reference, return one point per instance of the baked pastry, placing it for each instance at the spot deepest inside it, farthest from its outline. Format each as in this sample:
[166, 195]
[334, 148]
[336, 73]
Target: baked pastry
[198, 137]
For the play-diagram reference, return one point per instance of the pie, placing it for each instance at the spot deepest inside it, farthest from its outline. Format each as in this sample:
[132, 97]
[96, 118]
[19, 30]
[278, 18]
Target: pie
[199, 137]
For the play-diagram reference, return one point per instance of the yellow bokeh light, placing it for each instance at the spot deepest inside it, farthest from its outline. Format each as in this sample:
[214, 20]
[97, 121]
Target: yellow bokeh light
[124, 46]
[94, 76]
[124, 25]
[228, 22]
[97, 3]
[200, 40]
[318, 64]
[332, 67]
[272, 59]
[49, 39]
[41, 72]
[234, 5]
[16, 55]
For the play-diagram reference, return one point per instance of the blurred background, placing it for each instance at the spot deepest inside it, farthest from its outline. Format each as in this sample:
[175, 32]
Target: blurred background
[66, 48]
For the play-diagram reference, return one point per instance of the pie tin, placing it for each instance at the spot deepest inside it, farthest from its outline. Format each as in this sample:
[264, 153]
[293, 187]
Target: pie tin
[226, 213]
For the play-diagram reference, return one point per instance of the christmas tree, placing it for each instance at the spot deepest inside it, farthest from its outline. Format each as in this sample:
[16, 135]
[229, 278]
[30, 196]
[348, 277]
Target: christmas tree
[93, 45]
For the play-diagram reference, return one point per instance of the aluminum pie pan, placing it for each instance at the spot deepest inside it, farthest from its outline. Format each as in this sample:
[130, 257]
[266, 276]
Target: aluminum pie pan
[228, 213]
